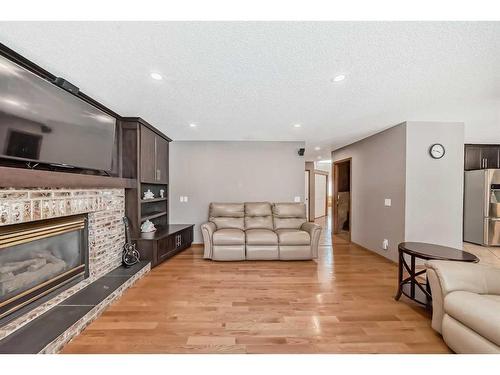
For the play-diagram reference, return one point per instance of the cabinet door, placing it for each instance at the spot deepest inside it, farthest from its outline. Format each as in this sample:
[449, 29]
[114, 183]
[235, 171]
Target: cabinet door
[489, 157]
[472, 158]
[148, 161]
[161, 160]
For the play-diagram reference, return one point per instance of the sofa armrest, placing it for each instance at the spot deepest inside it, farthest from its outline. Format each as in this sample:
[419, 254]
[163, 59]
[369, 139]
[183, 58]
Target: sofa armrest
[445, 277]
[207, 230]
[469, 277]
[314, 231]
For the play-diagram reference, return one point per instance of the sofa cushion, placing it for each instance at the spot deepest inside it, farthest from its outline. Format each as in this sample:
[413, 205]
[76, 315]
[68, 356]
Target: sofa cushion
[477, 312]
[227, 215]
[258, 209]
[289, 215]
[228, 222]
[293, 237]
[259, 222]
[258, 215]
[261, 237]
[227, 210]
[283, 210]
[229, 237]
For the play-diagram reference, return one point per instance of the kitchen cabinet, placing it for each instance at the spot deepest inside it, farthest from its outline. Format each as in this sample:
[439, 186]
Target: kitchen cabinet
[480, 156]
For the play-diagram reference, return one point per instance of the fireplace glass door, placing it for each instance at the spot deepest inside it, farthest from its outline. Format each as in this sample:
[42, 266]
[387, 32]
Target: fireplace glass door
[38, 257]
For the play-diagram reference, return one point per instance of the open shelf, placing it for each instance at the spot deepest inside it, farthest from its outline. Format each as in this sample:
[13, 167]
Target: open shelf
[153, 200]
[153, 215]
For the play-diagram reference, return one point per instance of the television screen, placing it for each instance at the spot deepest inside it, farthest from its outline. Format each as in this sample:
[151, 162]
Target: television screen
[43, 123]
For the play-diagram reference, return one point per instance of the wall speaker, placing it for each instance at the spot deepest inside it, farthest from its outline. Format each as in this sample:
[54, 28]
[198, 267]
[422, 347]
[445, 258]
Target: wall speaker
[301, 151]
[62, 83]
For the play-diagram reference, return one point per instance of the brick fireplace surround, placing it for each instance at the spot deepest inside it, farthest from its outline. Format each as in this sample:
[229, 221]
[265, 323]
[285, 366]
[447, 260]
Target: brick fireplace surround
[105, 209]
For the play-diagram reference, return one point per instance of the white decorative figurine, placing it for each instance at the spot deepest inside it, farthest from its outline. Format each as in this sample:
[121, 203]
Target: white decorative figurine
[147, 227]
[162, 192]
[149, 194]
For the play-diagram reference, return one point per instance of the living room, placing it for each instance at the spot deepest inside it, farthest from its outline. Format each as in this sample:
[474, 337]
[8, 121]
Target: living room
[153, 198]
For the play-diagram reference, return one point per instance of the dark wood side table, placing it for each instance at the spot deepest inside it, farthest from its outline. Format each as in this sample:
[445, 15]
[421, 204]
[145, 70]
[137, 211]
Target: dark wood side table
[410, 286]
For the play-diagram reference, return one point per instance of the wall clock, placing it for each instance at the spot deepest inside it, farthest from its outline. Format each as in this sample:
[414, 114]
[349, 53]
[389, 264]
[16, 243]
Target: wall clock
[437, 151]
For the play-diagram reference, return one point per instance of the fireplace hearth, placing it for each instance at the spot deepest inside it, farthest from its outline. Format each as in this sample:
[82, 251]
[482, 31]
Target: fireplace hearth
[37, 258]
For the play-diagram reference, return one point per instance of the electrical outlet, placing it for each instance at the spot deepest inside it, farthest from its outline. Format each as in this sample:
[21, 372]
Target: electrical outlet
[181, 199]
[385, 244]
[387, 202]
[297, 199]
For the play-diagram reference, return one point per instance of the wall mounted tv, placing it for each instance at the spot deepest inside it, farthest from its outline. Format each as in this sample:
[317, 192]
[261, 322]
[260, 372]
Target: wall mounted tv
[42, 123]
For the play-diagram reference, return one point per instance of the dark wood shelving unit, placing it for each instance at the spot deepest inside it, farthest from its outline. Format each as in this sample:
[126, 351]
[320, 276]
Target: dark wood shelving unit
[165, 242]
[153, 200]
[153, 216]
[145, 159]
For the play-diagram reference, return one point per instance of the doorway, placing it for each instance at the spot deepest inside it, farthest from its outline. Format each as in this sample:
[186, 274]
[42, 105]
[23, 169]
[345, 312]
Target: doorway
[320, 194]
[307, 195]
[342, 187]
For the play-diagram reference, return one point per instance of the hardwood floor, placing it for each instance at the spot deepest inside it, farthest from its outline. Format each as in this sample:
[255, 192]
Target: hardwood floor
[341, 303]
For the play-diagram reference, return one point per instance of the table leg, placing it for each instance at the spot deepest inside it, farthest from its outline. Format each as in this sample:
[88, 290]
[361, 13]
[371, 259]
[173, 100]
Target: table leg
[400, 277]
[413, 281]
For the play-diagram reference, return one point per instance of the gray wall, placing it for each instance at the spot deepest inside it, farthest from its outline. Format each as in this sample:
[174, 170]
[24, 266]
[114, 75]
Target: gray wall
[434, 188]
[426, 194]
[217, 171]
[378, 172]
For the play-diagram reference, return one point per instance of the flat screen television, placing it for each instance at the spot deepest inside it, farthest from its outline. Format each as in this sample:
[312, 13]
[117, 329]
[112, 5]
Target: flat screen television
[42, 123]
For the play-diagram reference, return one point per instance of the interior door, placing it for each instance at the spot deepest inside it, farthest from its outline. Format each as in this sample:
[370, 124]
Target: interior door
[342, 200]
[320, 195]
[306, 189]
[148, 155]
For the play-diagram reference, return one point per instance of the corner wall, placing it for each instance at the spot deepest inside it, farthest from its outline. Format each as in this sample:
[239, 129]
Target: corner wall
[378, 172]
[225, 171]
[426, 194]
[434, 187]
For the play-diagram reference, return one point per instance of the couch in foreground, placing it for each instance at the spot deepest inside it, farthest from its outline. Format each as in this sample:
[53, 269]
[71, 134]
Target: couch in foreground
[259, 231]
[466, 305]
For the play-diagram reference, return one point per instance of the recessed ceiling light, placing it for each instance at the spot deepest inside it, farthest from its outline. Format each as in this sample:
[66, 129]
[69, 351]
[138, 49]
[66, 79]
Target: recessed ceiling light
[192, 125]
[297, 125]
[317, 148]
[339, 78]
[156, 76]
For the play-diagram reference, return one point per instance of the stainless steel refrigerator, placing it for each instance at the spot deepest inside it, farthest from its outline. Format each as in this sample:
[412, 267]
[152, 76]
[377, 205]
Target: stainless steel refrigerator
[482, 207]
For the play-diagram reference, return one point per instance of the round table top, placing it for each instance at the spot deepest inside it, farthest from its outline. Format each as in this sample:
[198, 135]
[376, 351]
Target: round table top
[431, 251]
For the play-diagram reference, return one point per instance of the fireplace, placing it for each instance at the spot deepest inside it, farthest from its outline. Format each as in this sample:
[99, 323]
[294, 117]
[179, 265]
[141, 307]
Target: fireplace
[37, 258]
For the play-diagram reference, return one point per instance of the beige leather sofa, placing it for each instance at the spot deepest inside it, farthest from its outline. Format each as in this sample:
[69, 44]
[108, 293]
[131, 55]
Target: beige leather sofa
[466, 305]
[259, 231]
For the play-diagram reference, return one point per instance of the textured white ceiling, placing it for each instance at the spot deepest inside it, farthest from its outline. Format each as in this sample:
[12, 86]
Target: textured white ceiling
[254, 80]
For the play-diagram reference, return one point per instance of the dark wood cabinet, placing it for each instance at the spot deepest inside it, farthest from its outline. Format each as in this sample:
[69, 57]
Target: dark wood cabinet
[162, 160]
[148, 154]
[154, 157]
[479, 156]
[165, 242]
[489, 155]
[145, 157]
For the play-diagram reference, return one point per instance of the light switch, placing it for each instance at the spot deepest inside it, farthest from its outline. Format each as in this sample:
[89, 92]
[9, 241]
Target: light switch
[387, 202]
[185, 198]
[181, 199]
[297, 199]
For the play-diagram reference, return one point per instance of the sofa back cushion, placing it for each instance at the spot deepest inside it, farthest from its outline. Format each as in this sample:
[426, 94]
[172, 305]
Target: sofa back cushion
[289, 215]
[258, 215]
[227, 215]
